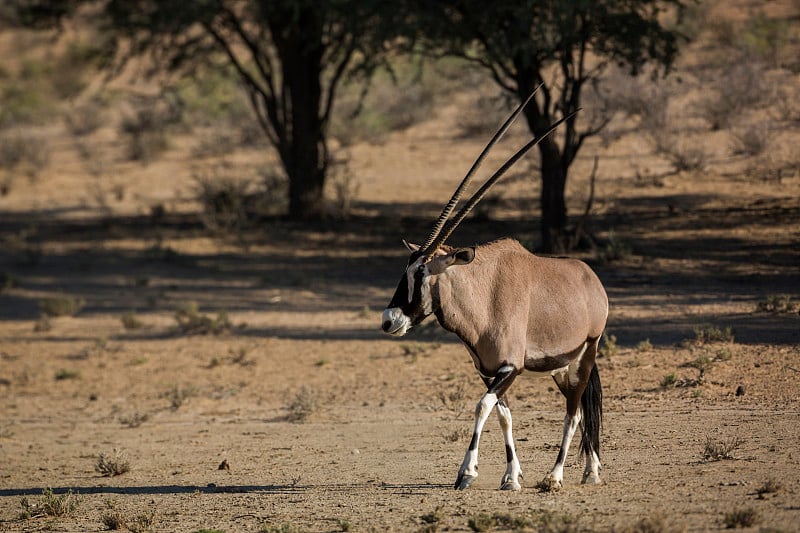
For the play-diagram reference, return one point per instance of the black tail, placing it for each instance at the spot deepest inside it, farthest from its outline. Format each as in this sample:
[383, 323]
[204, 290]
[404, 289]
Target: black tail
[592, 405]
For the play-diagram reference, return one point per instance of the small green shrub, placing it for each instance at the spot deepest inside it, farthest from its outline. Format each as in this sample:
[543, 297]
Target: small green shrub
[178, 395]
[644, 346]
[701, 363]
[608, 347]
[191, 322]
[133, 420]
[65, 374]
[131, 321]
[305, 402]
[61, 306]
[777, 304]
[668, 381]
[709, 333]
[748, 517]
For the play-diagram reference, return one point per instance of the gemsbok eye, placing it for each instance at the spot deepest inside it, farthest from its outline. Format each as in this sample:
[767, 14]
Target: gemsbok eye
[495, 308]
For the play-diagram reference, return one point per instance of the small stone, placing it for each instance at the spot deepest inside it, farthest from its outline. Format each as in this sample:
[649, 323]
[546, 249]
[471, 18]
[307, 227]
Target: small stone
[740, 390]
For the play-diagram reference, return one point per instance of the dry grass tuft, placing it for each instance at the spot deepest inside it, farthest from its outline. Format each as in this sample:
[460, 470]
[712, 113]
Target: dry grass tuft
[717, 450]
[51, 504]
[748, 517]
[305, 402]
[114, 464]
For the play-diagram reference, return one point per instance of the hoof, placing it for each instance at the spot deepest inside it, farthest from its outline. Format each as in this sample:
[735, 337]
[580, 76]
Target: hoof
[510, 485]
[590, 478]
[549, 484]
[464, 481]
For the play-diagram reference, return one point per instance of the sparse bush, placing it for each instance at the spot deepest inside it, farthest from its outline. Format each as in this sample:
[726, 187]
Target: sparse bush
[430, 521]
[748, 517]
[114, 520]
[65, 374]
[751, 141]
[777, 304]
[43, 324]
[770, 486]
[232, 199]
[608, 346]
[668, 381]
[683, 154]
[304, 403]
[653, 524]
[133, 420]
[482, 118]
[25, 154]
[146, 128]
[131, 321]
[61, 306]
[114, 464]
[765, 38]
[224, 202]
[84, 119]
[739, 89]
[142, 523]
[722, 354]
[615, 249]
[192, 322]
[644, 346]
[345, 188]
[709, 333]
[717, 450]
[178, 395]
[51, 504]
[702, 363]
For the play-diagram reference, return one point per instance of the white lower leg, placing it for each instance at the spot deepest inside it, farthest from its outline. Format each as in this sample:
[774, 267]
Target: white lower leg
[469, 467]
[556, 476]
[510, 479]
[591, 473]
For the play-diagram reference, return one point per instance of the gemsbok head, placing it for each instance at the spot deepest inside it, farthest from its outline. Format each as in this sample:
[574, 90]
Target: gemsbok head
[514, 311]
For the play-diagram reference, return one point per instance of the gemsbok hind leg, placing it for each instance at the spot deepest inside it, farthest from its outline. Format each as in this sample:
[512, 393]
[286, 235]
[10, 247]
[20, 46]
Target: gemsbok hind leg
[498, 386]
[592, 407]
[572, 381]
[510, 479]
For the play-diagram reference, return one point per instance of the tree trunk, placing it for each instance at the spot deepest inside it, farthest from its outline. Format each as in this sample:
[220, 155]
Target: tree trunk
[554, 176]
[303, 150]
[553, 204]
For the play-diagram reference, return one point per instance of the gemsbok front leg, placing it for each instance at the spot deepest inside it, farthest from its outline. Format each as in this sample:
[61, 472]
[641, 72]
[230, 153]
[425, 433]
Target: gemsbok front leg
[469, 467]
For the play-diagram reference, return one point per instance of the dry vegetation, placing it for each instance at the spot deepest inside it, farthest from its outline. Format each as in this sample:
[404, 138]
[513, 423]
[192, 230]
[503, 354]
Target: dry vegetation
[153, 300]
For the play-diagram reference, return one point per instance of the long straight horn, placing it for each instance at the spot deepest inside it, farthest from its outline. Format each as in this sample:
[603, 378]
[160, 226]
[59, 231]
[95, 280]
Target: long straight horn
[480, 193]
[459, 191]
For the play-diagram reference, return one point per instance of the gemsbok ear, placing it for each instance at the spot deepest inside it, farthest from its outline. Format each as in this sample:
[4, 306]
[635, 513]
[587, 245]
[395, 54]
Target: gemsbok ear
[464, 256]
[410, 247]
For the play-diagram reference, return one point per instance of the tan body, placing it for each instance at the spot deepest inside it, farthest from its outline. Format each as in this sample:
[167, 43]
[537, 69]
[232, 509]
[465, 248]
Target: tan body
[515, 308]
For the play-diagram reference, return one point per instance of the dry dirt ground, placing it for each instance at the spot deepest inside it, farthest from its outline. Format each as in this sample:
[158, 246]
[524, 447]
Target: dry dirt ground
[301, 416]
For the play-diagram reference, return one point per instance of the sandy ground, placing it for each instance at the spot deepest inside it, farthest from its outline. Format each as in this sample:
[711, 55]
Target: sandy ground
[302, 416]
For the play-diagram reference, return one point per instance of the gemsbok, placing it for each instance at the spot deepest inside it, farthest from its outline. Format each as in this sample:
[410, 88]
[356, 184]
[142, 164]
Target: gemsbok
[514, 311]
